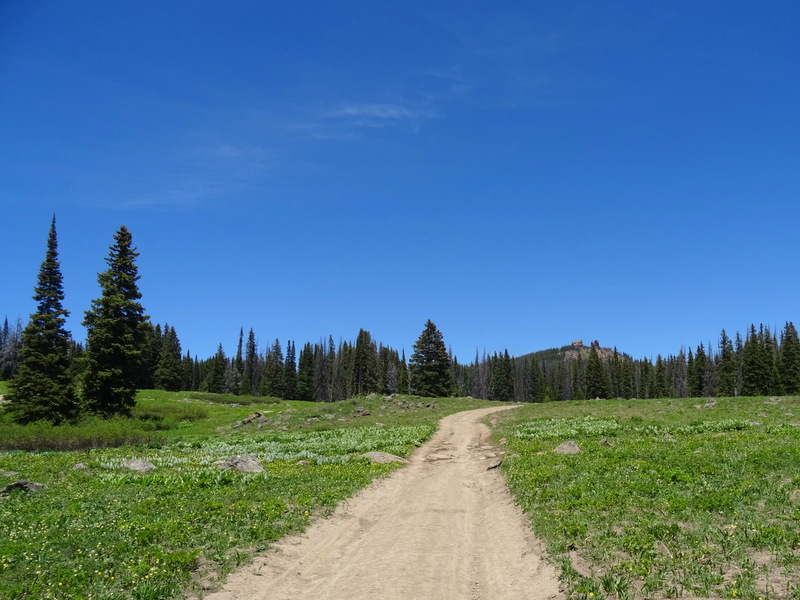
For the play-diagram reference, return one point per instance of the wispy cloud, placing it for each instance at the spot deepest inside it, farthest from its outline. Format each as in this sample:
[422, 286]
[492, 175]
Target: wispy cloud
[378, 115]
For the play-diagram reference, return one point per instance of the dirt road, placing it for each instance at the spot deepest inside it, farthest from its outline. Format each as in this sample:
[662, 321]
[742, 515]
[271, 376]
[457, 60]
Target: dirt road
[442, 527]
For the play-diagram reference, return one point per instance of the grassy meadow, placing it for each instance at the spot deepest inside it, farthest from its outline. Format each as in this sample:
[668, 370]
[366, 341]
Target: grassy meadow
[668, 498]
[101, 531]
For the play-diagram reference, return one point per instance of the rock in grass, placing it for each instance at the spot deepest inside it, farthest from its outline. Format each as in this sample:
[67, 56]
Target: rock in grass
[80, 466]
[8, 473]
[247, 463]
[22, 484]
[139, 465]
[382, 457]
[568, 447]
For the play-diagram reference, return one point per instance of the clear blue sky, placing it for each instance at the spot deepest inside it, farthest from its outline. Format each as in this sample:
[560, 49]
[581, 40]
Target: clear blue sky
[522, 173]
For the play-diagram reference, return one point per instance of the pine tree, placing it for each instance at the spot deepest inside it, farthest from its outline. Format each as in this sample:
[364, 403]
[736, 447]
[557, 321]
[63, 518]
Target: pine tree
[217, 367]
[501, 378]
[305, 373]
[697, 374]
[290, 372]
[115, 333]
[250, 377]
[42, 387]
[726, 366]
[169, 372]
[598, 383]
[790, 360]
[430, 373]
[365, 365]
[272, 383]
[756, 364]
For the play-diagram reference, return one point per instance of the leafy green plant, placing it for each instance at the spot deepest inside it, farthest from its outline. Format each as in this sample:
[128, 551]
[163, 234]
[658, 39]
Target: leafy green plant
[680, 499]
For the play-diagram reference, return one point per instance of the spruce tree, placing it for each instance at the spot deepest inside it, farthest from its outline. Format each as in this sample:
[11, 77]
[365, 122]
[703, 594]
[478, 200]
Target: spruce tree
[365, 364]
[169, 372]
[429, 367]
[115, 333]
[697, 374]
[726, 366]
[290, 372]
[42, 386]
[756, 364]
[790, 360]
[217, 366]
[598, 383]
[272, 383]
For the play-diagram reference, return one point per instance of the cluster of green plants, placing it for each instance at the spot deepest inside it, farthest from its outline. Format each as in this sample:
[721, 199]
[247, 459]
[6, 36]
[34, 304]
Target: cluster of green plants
[667, 498]
[105, 532]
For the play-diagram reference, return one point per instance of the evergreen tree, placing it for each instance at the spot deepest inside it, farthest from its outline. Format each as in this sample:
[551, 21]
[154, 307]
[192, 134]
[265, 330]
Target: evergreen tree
[42, 387]
[188, 381]
[756, 364]
[598, 384]
[272, 383]
[250, 377]
[501, 378]
[214, 380]
[726, 366]
[115, 333]
[148, 362]
[697, 374]
[290, 372]
[365, 365]
[169, 372]
[9, 351]
[402, 375]
[790, 360]
[305, 373]
[430, 373]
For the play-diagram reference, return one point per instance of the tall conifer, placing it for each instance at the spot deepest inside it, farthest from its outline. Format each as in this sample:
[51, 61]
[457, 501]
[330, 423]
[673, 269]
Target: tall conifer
[115, 333]
[42, 387]
[429, 367]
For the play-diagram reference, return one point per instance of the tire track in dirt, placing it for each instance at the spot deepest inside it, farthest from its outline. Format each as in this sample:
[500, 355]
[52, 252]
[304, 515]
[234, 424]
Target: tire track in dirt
[442, 527]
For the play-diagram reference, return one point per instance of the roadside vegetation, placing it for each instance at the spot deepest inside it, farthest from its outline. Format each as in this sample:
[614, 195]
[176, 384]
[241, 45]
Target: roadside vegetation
[103, 531]
[667, 498]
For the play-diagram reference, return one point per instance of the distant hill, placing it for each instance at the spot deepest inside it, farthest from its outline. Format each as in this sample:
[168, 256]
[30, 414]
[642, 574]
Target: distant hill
[571, 352]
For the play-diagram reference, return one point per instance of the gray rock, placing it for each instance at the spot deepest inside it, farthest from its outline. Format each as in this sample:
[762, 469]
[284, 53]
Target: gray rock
[80, 466]
[568, 447]
[8, 473]
[382, 457]
[139, 465]
[246, 463]
[495, 463]
[24, 485]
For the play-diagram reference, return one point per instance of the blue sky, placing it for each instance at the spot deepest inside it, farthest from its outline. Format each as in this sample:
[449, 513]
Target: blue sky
[523, 174]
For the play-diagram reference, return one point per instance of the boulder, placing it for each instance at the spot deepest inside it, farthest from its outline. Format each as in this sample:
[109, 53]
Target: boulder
[568, 447]
[247, 463]
[80, 466]
[24, 485]
[139, 465]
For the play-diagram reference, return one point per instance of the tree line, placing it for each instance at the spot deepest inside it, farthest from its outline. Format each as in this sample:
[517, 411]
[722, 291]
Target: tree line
[761, 364]
[51, 377]
[55, 378]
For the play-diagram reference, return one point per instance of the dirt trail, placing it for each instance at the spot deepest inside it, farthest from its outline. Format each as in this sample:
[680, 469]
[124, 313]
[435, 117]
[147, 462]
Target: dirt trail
[442, 527]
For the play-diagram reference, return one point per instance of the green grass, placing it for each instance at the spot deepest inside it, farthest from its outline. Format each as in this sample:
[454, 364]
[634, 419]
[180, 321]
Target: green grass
[106, 532]
[681, 499]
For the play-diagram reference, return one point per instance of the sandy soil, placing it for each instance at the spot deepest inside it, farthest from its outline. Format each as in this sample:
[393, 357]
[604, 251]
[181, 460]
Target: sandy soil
[441, 527]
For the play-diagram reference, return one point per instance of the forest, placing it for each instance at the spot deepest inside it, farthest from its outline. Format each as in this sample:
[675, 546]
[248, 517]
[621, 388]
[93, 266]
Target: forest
[124, 352]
